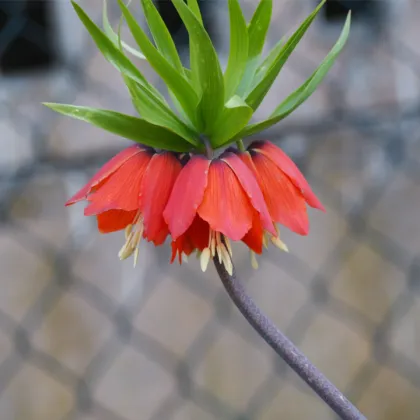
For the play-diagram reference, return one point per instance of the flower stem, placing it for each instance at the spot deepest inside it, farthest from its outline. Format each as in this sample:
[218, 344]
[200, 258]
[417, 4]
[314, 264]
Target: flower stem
[240, 145]
[285, 348]
[206, 142]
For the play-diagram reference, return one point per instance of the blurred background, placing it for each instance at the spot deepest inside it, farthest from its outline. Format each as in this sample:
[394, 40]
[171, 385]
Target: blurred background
[83, 336]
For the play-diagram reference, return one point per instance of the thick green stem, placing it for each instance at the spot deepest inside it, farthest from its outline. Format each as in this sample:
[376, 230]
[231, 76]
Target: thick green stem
[209, 149]
[240, 145]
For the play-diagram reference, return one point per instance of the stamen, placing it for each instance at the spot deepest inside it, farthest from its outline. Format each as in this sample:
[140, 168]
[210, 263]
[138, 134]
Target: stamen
[279, 244]
[265, 241]
[136, 257]
[227, 262]
[127, 231]
[254, 262]
[228, 265]
[204, 259]
[133, 235]
[276, 241]
[228, 246]
[219, 246]
[213, 244]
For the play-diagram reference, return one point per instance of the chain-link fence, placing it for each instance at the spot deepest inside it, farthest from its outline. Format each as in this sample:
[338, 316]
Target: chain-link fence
[83, 336]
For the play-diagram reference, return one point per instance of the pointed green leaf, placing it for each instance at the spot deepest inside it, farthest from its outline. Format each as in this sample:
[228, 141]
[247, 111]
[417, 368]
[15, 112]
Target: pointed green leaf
[205, 66]
[126, 126]
[174, 80]
[194, 53]
[112, 53]
[112, 35]
[154, 107]
[257, 32]
[238, 54]
[161, 35]
[195, 8]
[151, 111]
[305, 91]
[235, 116]
[257, 95]
[266, 64]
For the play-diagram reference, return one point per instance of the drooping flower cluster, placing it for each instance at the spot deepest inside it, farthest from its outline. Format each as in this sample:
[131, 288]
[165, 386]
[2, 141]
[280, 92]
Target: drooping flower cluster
[202, 203]
[168, 185]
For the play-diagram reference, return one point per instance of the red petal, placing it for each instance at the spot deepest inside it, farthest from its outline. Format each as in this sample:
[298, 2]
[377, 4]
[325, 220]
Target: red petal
[225, 206]
[122, 189]
[186, 196]
[105, 172]
[113, 220]
[198, 233]
[290, 169]
[181, 245]
[252, 189]
[177, 249]
[155, 190]
[196, 237]
[254, 238]
[284, 201]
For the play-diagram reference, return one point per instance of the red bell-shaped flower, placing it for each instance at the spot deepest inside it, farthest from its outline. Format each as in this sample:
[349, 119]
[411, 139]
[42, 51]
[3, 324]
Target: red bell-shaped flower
[286, 191]
[130, 192]
[212, 202]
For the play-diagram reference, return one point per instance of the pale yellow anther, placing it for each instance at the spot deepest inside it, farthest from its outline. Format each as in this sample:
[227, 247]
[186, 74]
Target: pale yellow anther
[229, 266]
[219, 252]
[204, 259]
[218, 246]
[227, 262]
[125, 252]
[212, 243]
[184, 257]
[254, 262]
[213, 247]
[265, 241]
[133, 235]
[127, 231]
[279, 244]
[136, 257]
[228, 246]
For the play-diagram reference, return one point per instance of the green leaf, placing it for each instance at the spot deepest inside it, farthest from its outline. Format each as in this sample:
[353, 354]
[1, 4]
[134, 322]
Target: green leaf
[152, 112]
[205, 67]
[112, 35]
[195, 8]
[235, 116]
[126, 126]
[112, 53]
[194, 53]
[152, 104]
[305, 91]
[238, 49]
[161, 35]
[257, 32]
[174, 80]
[257, 95]
[267, 63]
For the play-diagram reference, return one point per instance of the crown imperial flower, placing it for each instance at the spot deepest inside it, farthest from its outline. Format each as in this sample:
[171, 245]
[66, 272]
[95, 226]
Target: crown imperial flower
[130, 192]
[169, 183]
